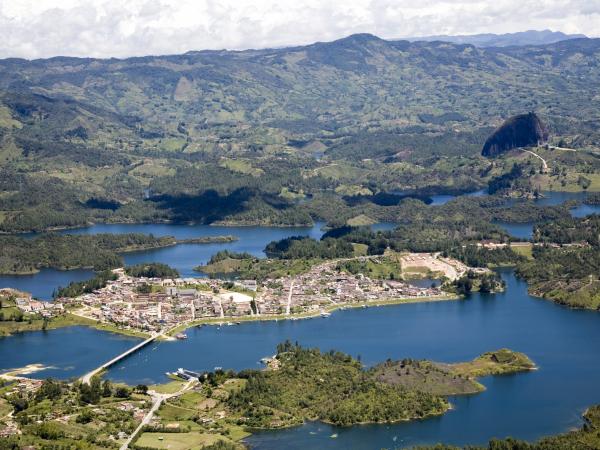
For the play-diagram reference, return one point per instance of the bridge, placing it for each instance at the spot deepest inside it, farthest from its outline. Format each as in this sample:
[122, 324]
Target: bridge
[88, 376]
[165, 332]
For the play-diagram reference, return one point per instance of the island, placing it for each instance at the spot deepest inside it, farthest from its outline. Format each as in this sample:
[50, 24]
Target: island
[146, 299]
[22, 256]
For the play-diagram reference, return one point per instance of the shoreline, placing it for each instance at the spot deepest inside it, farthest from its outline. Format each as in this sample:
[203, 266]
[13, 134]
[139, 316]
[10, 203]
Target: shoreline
[73, 319]
[157, 222]
[200, 240]
[313, 314]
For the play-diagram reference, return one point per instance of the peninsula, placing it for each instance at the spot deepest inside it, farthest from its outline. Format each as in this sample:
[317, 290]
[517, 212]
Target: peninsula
[221, 408]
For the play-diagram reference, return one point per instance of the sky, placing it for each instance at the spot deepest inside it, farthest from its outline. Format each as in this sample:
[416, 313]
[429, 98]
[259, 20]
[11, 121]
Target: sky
[120, 28]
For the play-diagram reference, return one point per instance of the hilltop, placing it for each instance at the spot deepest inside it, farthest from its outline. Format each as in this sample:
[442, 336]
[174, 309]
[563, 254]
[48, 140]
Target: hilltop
[522, 130]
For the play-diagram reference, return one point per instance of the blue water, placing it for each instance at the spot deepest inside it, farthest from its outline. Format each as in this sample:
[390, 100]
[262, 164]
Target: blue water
[585, 210]
[563, 342]
[445, 198]
[70, 352]
[42, 284]
[525, 230]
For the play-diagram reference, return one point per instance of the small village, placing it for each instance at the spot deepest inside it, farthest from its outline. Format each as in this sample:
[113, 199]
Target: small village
[154, 304]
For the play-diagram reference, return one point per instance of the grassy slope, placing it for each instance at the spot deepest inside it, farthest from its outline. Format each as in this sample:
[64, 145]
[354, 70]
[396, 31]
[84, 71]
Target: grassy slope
[451, 379]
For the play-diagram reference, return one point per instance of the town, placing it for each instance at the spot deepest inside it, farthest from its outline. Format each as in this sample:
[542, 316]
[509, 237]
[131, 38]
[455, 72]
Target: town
[154, 304]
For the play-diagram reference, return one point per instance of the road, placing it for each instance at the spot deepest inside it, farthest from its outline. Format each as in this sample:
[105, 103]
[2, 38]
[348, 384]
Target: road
[564, 149]
[88, 376]
[544, 163]
[158, 399]
[289, 302]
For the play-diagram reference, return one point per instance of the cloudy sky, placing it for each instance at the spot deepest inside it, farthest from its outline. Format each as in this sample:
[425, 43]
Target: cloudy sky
[104, 28]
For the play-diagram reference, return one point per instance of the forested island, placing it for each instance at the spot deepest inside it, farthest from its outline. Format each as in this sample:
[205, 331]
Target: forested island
[98, 251]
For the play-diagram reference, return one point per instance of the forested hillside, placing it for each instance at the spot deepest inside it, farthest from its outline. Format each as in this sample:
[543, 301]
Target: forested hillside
[246, 137]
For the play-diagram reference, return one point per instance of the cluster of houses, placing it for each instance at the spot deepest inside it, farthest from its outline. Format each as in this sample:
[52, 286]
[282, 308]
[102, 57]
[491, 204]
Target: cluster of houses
[28, 305]
[151, 304]
[324, 286]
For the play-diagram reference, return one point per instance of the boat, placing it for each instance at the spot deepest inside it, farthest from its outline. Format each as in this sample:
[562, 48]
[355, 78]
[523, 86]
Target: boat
[181, 336]
[325, 314]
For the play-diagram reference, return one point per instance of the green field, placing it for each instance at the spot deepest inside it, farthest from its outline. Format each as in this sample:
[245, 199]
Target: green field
[177, 441]
[525, 250]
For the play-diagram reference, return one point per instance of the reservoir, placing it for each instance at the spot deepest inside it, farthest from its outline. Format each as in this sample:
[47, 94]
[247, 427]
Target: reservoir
[563, 342]
[183, 257]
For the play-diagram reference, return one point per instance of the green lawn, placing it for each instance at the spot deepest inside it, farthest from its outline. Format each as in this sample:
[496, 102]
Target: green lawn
[168, 388]
[177, 441]
[172, 413]
[360, 249]
[524, 250]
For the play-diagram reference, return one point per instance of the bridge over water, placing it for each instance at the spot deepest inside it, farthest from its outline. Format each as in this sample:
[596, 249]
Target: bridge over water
[88, 376]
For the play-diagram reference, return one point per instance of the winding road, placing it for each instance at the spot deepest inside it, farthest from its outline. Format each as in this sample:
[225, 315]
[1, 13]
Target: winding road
[544, 163]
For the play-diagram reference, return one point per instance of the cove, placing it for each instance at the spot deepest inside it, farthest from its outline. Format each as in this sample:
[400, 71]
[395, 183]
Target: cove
[551, 198]
[67, 352]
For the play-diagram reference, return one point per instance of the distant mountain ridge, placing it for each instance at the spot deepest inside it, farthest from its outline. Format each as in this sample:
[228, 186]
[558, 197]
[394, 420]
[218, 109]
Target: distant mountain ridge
[230, 102]
[530, 37]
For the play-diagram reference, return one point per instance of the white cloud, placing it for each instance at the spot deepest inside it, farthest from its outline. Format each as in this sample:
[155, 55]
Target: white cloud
[104, 28]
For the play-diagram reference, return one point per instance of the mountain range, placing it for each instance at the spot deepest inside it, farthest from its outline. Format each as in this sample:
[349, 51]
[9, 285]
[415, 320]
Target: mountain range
[290, 122]
[530, 37]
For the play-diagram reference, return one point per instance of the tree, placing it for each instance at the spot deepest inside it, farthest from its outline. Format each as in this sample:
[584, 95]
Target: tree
[49, 389]
[141, 389]
[106, 389]
[122, 392]
[90, 393]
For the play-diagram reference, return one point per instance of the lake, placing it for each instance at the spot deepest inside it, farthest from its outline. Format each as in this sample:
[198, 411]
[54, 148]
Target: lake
[563, 342]
[251, 239]
[552, 198]
[183, 257]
